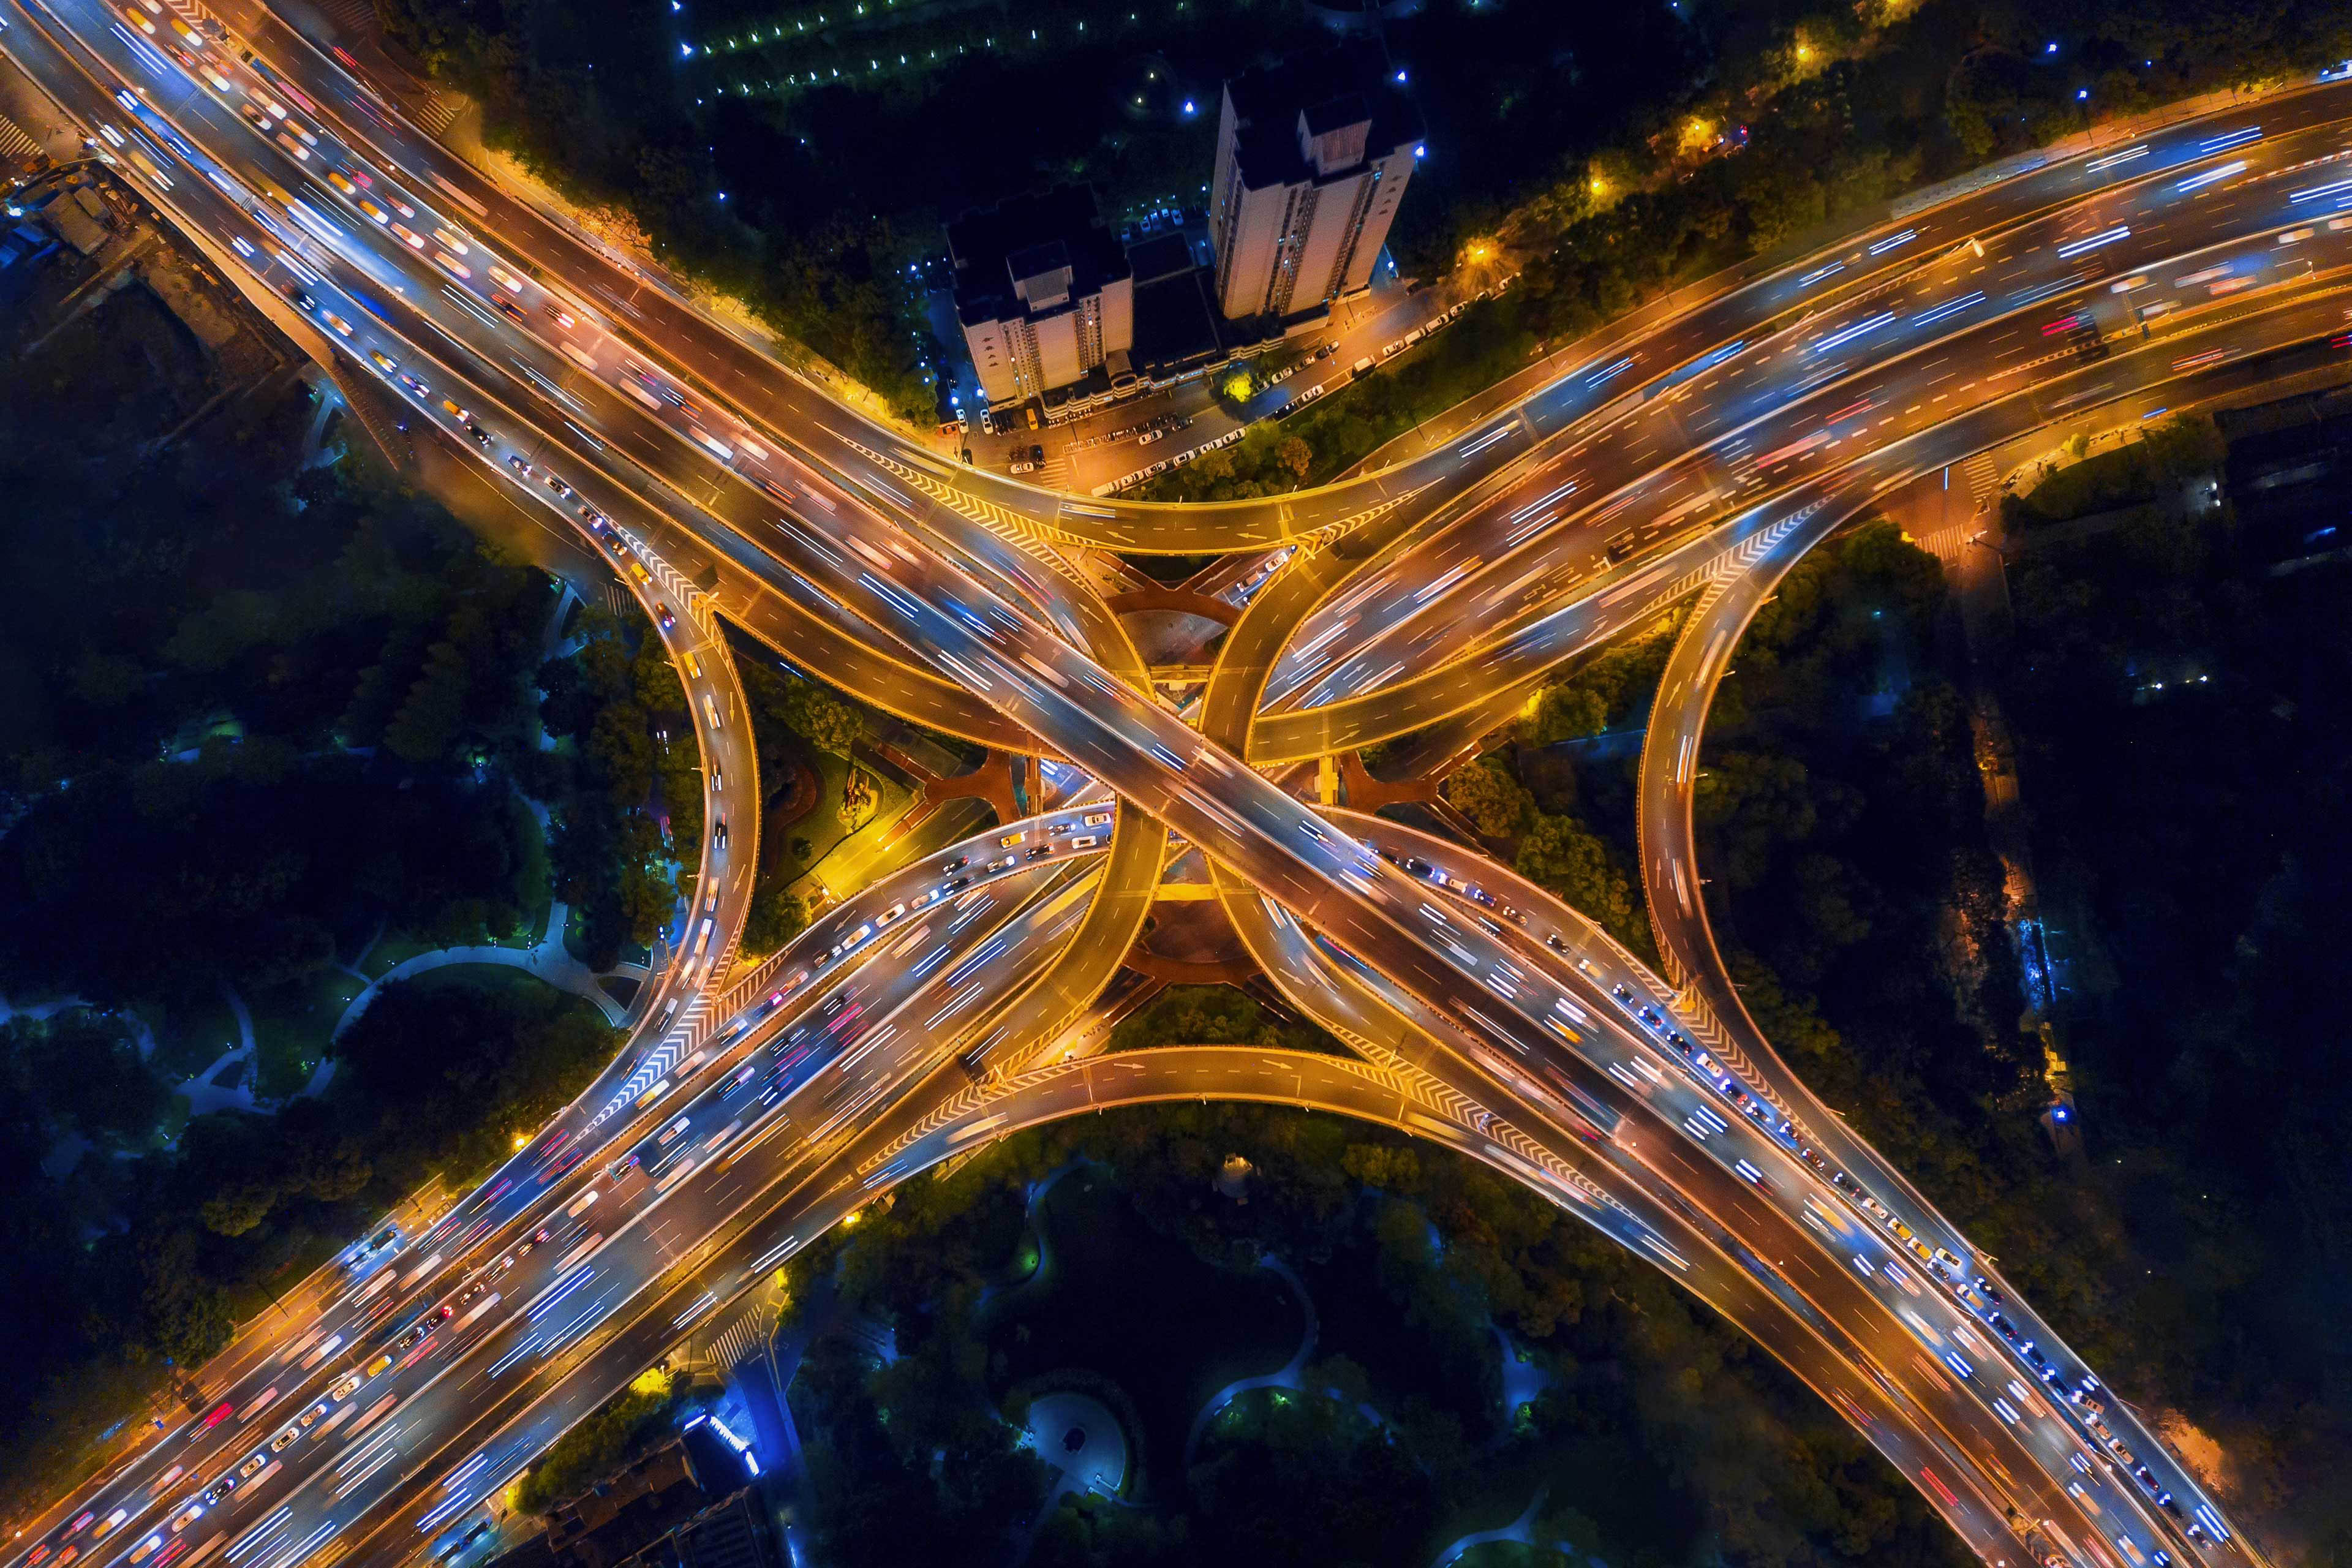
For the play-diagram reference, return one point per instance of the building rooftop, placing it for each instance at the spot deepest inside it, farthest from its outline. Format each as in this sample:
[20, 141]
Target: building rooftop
[1176, 323]
[1160, 256]
[1028, 255]
[1315, 98]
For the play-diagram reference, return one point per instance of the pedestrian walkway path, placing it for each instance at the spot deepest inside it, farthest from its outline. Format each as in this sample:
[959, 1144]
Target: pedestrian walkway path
[15, 144]
[1520, 1529]
[1288, 1377]
[546, 958]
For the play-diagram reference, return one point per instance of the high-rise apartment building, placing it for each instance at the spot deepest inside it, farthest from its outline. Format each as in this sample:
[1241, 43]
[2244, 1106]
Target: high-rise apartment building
[1043, 290]
[1312, 156]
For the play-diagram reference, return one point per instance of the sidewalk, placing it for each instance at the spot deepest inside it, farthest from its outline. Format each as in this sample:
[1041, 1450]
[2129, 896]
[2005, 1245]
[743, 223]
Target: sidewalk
[546, 958]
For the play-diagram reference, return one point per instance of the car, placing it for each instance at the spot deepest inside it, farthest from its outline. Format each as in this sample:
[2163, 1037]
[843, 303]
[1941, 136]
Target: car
[341, 182]
[956, 885]
[217, 1491]
[958, 864]
[511, 311]
[556, 483]
[1091, 819]
[505, 279]
[719, 833]
[449, 406]
[1022, 466]
[1009, 840]
[383, 361]
[515, 461]
[410, 381]
[1984, 1289]
[482, 438]
[451, 238]
[1084, 841]
[344, 1386]
[561, 317]
[1037, 455]
[408, 236]
[310, 1416]
[342, 328]
[451, 265]
[993, 866]
[376, 214]
[662, 614]
[285, 1440]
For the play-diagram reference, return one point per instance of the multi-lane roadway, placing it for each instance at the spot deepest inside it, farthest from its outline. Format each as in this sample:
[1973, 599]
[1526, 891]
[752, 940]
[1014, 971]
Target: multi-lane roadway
[1708, 442]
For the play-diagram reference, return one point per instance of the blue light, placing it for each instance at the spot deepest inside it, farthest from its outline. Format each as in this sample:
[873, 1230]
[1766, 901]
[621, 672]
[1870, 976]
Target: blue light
[2050, 49]
[2081, 93]
[2058, 1114]
[1189, 109]
[1420, 151]
[1400, 76]
[685, 51]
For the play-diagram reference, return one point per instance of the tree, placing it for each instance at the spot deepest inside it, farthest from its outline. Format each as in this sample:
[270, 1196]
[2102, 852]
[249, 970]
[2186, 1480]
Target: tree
[1575, 865]
[784, 706]
[428, 720]
[620, 754]
[829, 723]
[184, 1315]
[645, 896]
[1569, 711]
[1484, 792]
[776, 916]
[1296, 455]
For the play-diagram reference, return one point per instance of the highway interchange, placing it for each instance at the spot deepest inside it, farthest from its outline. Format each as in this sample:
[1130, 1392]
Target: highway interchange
[1694, 449]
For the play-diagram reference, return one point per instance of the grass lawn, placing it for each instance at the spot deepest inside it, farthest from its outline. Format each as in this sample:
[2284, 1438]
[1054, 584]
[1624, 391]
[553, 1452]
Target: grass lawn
[392, 950]
[191, 1030]
[842, 860]
[291, 1029]
[1511, 1555]
[1118, 1299]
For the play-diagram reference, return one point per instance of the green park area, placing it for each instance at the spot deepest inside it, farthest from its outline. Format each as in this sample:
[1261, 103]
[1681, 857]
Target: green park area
[293, 725]
[1338, 1346]
[1854, 887]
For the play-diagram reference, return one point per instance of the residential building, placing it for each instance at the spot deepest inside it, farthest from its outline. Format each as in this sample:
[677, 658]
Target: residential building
[1312, 157]
[1043, 293]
